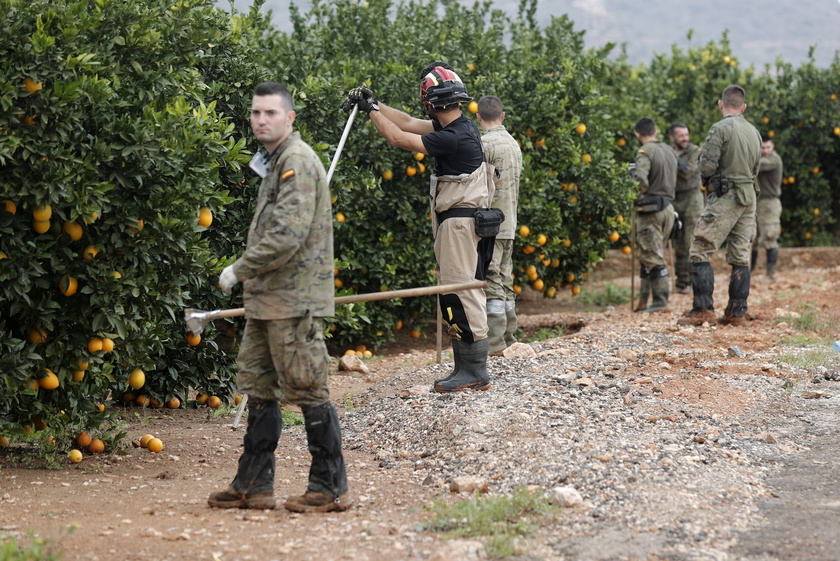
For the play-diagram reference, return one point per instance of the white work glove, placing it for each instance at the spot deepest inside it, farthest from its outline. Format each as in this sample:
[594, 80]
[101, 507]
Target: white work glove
[227, 280]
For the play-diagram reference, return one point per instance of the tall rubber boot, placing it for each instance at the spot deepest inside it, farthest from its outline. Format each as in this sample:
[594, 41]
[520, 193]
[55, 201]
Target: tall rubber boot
[703, 287]
[644, 290]
[327, 487]
[511, 323]
[739, 291]
[496, 324]
[473, 373]
[253, 486]
[456, 355]
[754, 258]
[660, 287]
[772, 262]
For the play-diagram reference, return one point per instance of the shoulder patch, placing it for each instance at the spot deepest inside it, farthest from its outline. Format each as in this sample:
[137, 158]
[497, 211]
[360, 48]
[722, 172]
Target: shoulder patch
[287, 174]
[641, 151]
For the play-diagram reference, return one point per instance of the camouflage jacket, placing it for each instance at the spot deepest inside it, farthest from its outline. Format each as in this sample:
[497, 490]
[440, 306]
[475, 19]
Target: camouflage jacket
[770, 175]
[501, 150]
[688, 172]
[731, 150]
[287, 267]
[656, 170]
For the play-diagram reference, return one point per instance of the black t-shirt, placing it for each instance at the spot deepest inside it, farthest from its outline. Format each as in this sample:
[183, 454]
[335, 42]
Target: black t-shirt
[456, 147]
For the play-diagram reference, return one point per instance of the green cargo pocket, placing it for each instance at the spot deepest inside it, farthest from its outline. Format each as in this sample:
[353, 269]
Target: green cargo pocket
[306, 359]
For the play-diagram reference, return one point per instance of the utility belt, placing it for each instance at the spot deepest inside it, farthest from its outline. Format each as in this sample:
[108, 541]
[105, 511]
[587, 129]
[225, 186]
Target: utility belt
[720, 185]
[488, 221]
[651, 203]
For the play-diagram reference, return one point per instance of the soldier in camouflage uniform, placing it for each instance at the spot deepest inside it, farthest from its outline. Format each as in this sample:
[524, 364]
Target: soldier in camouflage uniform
[656, 172]
[689, 201]
[501, 151]
[769, 208]
[728, 166]
[286, 271]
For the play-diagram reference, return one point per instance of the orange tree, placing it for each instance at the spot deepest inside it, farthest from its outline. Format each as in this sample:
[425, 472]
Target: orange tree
[118, 123]
[572, 194]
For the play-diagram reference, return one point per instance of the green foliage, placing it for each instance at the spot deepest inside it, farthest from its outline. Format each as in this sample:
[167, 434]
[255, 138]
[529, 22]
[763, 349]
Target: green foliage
[125, 118]
[609, 294]
[35, 548]
[500, 520]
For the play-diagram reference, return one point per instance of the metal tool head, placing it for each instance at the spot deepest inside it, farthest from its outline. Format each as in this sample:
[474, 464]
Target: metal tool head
[196, 320]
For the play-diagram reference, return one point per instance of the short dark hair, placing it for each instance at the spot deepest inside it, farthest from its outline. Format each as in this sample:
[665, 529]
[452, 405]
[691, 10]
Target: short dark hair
[733, 97]
[676, 126]
[765, 138]
[490, 108]
[273, 88]
[646, 126]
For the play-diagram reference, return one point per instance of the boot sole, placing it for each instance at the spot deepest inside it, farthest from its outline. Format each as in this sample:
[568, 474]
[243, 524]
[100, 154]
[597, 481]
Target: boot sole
[243, 503]
[330, 507]
[477, 386]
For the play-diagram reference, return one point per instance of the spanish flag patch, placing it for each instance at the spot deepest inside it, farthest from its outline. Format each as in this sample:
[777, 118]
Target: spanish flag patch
[288, 174]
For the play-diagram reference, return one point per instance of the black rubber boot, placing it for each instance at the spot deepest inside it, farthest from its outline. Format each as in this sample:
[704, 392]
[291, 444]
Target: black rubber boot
[456, 355]
[511, 323]
[772, 261]
[644, 290]
[754, 259]
[253, 486]
[739, 291]
[660, 287]
[703, 287]
[473, 372]
[327, 487]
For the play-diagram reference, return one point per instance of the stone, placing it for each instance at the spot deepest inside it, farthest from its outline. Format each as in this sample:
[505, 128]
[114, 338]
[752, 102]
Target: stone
[469, 484]
[736, 352]
[566, 497]
[519, 350]
[352, 363]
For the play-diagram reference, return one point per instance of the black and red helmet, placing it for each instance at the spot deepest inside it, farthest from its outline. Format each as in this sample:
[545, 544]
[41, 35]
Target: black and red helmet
[441, 87]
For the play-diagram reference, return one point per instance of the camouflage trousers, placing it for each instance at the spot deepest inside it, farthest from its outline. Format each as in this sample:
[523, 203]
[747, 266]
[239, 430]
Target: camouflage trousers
[284, 357]
[652, 232]
[500, 274]
[769, 217]
[730, 219]
[689, 205]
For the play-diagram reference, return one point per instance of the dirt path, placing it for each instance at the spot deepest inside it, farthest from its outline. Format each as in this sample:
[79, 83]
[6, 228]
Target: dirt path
[153, 506]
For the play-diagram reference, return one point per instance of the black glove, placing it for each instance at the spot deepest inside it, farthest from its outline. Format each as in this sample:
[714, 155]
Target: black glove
[682, 166]
[361, 96]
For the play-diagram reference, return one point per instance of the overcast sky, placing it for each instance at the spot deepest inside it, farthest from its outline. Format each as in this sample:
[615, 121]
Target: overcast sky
[759, 30]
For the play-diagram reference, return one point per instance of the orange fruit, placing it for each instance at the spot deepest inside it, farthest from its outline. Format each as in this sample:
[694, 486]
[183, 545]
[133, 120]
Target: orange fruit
[614, 237]
[419, 156]
[174, 403]
[4, 441]
[570, 277]
[42, 213]
[575, 290]
[107, 344]
[529, 249]
[41, 226]
[368, 354]
[621, 142]
[586, 158]
[75, 456]
[421, 168]
[237, 400]
[338, 283]
[100, 406]
[137, 379]
[143, 400]
[626, 250]
[541, 239]
[82, 363]
[96, 446]
[399, 325]
[415, 334]
[836, 131]
[48, 382]
[156, 403]
[202, 398]
[524, 231]
[78, 375]
[144, 440]
[530, 270]
[473, 107]
[68, 285]
[538, 285]
[73, 229]
[566, 242]
[155, 445]
[205, 217]
[580, 129]
[139, 226]
[517, 289]
[128, 397]
[387, 175]
[95, 344]
[411, 171]
[10, 206]
[83, 439]
[540, 143]
[91, 218]
[193, 339]
[90, 252]
[214, 402]
[31, 85]
[551, 292]
[771, 134]
[339, 216]
[37, 335]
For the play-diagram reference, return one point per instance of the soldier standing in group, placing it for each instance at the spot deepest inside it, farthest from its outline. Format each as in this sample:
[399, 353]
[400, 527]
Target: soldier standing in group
[769, 207]
[688, 201]
[503, 153]
[463, 183]
[286, 271]
[728, 166]
[656, 173]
